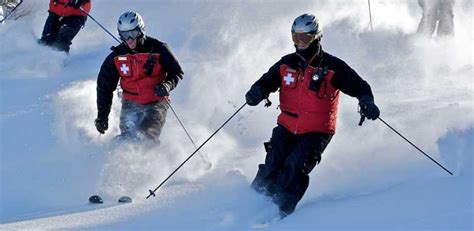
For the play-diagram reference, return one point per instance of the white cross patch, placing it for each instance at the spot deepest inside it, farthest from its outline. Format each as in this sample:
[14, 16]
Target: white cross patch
[288, 79]
[124, 68]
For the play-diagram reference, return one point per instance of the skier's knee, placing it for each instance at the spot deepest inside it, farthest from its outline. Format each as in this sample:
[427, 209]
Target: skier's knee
[310, 163]
[268, 146]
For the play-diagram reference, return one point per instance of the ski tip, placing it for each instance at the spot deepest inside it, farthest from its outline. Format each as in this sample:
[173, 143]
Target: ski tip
[95, 199]
[125, 199]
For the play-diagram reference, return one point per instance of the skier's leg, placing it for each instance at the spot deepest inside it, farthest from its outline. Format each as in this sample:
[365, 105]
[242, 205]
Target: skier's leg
[50, 30]
[293, 179]
[70, 27]
[129, 120]
[154, 119]
[428, 19]
[11, 3]
[3, 12]
[280, 145]
[446, 18]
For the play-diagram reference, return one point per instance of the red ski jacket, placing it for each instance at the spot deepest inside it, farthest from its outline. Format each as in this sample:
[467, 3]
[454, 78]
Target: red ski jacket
[61, 8]
[128, 67]
[136, 85]
[304, 109]
[309, 92]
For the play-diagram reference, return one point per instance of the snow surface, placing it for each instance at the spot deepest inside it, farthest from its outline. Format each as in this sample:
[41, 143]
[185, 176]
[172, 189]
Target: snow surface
[52, 159]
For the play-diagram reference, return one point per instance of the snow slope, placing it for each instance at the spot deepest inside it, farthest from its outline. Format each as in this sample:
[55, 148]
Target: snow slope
[52, 159]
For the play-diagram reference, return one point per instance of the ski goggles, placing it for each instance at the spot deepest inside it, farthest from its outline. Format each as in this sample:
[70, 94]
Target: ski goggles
[130, 34]
[303, 39]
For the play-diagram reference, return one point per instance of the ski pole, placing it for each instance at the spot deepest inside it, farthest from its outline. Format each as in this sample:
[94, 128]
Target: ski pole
[93, 19]
[152, 192]
[186, 131]
[393, 129]
[370, 15]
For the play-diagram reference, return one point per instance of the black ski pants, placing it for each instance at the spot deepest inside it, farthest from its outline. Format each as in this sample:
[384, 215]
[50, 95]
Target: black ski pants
[290, 158]
[58, 32]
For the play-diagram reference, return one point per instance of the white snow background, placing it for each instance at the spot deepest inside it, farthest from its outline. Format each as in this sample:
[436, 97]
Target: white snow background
[53, 159]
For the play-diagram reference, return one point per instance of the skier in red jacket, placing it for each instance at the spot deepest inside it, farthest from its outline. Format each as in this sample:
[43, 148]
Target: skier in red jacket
[65, 20]
[147, 71]
[310, 81]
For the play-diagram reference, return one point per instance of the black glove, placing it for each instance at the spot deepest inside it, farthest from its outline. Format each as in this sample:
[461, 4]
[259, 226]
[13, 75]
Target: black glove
[163, 89]
[101, 125]
[255, 95]
[76, 3]
[368, 108]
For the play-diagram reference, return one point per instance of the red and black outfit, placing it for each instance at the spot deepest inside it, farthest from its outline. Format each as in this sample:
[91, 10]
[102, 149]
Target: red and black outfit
[309, 84]
[139, 72]
[64, 22]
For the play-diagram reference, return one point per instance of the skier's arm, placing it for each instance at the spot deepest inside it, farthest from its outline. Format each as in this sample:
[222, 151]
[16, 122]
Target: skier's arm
[171, 66]
[106, 84]
[270, 81]
[348, 81]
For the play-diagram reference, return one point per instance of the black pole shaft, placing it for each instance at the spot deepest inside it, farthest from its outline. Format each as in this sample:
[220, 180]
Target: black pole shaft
[152, 192]
[185, 130]
[93, 19]
[415, 146]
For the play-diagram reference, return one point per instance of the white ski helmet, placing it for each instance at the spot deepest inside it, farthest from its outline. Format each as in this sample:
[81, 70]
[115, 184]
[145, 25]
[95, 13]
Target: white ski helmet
[307, 23]
[305, 30]
[131, 22]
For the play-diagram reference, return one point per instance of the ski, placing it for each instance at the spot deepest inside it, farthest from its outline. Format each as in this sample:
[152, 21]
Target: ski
[125, 199]
[96, 199]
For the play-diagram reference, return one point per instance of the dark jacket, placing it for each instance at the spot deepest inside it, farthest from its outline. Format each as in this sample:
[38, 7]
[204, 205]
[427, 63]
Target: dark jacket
[345, 78]
[109, 76]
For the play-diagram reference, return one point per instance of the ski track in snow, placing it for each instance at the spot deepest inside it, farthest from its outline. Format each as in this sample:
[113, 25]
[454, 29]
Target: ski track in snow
[20, 112]
[90, 215]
